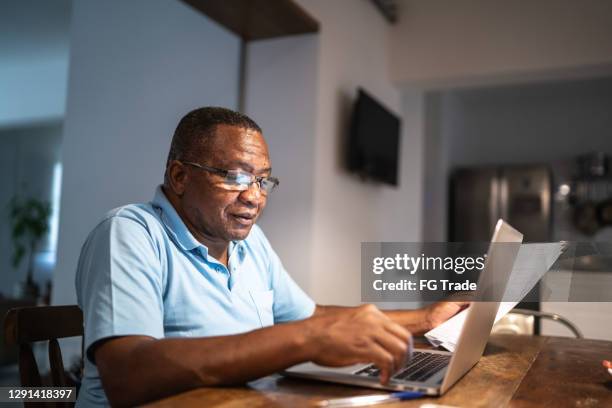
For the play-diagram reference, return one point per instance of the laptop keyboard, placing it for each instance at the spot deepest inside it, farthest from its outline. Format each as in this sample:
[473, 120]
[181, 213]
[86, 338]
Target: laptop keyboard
[420, 367]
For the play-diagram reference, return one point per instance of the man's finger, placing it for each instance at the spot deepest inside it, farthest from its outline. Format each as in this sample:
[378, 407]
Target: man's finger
[395, 346]
[405, 336]
[383, 360]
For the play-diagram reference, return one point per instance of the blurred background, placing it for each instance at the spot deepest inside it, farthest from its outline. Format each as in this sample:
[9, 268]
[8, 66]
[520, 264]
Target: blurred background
[486, 109]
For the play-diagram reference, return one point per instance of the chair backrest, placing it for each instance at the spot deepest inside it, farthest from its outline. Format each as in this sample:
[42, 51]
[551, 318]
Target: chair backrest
[24, 325]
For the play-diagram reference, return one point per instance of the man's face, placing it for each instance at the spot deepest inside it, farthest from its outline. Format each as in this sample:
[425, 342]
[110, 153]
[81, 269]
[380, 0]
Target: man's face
[214, 212]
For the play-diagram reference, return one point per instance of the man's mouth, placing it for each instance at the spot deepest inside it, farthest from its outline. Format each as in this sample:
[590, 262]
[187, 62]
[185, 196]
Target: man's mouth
[244, 218]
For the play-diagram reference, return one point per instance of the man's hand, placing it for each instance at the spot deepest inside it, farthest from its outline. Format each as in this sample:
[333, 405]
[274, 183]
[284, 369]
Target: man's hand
[362, 334]
[439, 312]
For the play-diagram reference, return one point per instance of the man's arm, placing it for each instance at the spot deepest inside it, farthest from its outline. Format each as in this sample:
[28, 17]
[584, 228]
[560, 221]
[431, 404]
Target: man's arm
[137, 369]
[417, 321]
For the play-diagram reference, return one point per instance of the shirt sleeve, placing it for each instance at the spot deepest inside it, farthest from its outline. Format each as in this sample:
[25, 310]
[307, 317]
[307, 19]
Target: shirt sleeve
[290, 301]
[119, 282]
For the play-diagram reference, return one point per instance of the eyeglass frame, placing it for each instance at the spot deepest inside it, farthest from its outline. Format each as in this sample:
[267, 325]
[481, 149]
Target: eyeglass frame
[224, 173]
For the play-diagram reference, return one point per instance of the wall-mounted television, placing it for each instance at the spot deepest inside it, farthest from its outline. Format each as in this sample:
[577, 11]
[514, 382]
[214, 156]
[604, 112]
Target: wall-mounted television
[373, 145]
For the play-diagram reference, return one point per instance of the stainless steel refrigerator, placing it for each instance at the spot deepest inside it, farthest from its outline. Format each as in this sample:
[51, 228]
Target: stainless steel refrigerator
[521, 195]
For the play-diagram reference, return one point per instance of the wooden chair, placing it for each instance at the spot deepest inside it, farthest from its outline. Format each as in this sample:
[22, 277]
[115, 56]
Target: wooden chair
[25, 325]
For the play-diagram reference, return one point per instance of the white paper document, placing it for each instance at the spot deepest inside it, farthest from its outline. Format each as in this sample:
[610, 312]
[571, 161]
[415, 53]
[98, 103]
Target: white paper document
[532, 262]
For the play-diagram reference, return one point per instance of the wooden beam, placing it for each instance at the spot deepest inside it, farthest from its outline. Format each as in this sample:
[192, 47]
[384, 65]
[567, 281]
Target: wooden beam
[258, 19]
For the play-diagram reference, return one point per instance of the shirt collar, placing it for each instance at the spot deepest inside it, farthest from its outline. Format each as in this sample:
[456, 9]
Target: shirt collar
[237, 247]
[174, 224]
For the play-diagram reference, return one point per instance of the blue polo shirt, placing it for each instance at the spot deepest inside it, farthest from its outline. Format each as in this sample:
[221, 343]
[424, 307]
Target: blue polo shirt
[141, 272]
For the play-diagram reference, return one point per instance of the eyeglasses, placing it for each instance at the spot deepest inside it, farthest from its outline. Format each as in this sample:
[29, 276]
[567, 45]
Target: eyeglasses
[238, 180]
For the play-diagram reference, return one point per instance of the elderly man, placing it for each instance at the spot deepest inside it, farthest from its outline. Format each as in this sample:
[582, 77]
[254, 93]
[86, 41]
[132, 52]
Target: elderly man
[185, 291]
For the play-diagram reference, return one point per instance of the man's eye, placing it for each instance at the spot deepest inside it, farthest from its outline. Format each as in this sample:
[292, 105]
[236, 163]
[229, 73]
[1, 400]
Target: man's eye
[238, 178]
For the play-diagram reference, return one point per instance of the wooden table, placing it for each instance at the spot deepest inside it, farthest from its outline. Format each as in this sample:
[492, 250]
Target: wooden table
[515, 371]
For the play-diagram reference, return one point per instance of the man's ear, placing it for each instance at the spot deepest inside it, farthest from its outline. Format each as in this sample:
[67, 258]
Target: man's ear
[177, 177]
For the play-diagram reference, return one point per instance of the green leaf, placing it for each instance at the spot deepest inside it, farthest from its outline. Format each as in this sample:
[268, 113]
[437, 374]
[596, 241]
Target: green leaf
[29, 223]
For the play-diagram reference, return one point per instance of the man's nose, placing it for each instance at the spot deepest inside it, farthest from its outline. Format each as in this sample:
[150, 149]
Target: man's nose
[252, 195]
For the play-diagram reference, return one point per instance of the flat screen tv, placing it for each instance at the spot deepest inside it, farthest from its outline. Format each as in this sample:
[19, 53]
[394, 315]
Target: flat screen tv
[373, 146]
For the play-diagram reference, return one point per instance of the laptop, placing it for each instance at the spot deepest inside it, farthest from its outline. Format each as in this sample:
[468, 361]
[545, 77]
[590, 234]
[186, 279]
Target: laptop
[433, 372]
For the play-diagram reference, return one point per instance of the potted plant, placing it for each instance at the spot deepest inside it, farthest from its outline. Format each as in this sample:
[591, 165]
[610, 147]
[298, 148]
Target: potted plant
[29, 224]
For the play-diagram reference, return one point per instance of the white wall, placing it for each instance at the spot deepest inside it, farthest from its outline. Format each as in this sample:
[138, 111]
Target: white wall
[34, 45]
[353, 52]
[449, 42]
[281, 95]
[135, 68]
[529, 123]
